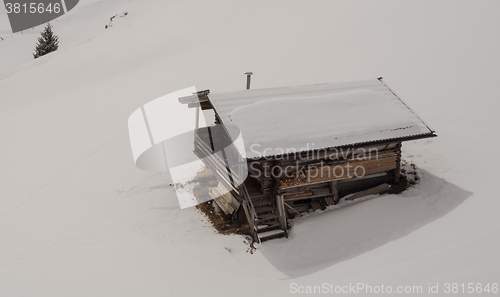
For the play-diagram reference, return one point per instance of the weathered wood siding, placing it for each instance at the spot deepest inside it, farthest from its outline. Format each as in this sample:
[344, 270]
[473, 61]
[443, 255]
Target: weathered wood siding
[303, 182]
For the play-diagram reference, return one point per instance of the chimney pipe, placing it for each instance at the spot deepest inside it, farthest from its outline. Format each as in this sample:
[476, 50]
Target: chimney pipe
[248, 79]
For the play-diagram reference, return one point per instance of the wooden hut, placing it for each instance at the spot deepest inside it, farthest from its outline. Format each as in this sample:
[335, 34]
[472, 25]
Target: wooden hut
[304, 148]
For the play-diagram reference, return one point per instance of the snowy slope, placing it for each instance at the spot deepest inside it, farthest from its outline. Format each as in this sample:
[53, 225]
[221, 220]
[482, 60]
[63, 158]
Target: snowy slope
[78, 219]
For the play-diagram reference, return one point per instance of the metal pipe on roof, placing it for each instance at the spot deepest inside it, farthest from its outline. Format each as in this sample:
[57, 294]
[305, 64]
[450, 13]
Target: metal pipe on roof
[248, 79]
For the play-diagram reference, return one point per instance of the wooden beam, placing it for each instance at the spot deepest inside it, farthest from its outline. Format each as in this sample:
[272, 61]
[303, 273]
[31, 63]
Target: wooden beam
[375, 190]
[307, 185]
[196, 97]
[315, 205]
[224, 199]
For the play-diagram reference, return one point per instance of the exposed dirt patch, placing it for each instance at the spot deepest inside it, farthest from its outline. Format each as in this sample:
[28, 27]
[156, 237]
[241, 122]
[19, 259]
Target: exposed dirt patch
[224, 224]
[409, 177]
[409, 170]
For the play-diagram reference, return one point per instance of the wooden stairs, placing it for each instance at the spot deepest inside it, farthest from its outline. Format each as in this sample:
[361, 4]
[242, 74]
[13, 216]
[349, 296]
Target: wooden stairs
[267, 220]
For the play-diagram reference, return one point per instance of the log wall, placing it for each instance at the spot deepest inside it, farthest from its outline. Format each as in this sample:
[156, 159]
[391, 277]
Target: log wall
[315, 181]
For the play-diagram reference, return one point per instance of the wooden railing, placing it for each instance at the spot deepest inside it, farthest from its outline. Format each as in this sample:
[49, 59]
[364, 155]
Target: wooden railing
[249, 212]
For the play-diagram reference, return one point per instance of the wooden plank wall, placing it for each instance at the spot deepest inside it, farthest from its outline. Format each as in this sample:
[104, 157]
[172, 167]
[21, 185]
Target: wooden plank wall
[319, 180]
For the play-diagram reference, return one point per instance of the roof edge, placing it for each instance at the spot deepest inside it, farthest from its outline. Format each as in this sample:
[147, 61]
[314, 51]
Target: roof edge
[359, 144]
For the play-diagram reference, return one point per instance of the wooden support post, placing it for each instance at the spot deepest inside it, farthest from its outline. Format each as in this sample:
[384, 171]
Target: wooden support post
[280, 205]
[211, 139]
[397, 171]
[335, 193]
[197, 121]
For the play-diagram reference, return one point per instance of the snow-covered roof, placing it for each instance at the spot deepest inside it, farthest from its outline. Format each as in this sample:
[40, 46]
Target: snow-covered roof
[289, 119]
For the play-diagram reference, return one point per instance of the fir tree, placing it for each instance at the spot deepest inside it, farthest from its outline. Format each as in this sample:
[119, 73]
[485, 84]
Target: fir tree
[47, 43]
